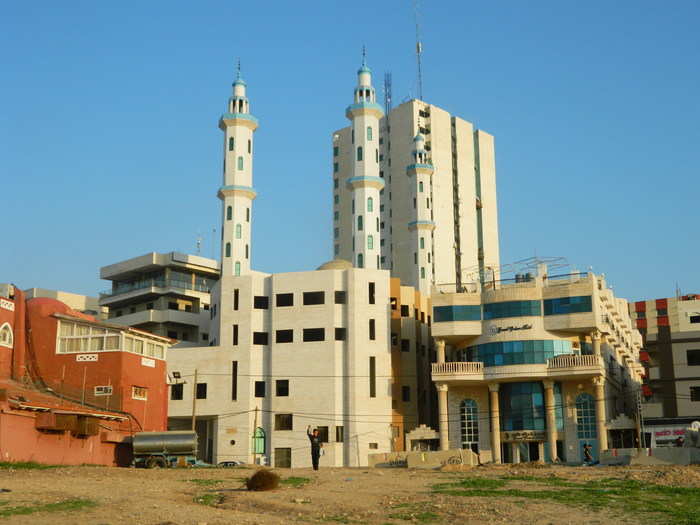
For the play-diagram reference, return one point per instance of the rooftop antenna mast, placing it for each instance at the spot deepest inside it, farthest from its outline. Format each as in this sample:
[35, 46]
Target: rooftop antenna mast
[199, 243]
[387, 94]
[419, 51]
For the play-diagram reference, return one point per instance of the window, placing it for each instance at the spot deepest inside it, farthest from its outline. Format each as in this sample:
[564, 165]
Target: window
[371, 293]
[372, 376]
[240, 163]
[336, 249]
[420, 187]
[422, 272]
[336, 216]
[514, 309]
[176, 392]
[282, 387]
[228, 249]
[260, 389]
[516, 352]
[360, 261]
[323, 434]
[370, 242]
[567, 305]
[236, 295]
[339, 433]
[585, 417]
[370, 204]
[404, 310]
[172, 334]
[229, 213]
[336, 199]
[405, 345]
[336, 233]
[359, 223]
[139, 392]
[377, 224]
[372, 330]
[660, 312]
[247, 214]
[237, 269]
[261, 302]
[260, 338]
[284, 336]
[406, 394]
[201, 391]
[173, 306]
[284, 299]
[422, 243]
[335, 169]
[311, 335]
[359, 153]
[283, 458]
[340, 334]
[230, 143]
[311, 298]
[238, 231]
[234, 380]
[693, 357]
[250, 146]
[335, 151]
[695, 393]
[369, 132]
[284, 421]
[695, 318]
[340, 297]
[469, 424]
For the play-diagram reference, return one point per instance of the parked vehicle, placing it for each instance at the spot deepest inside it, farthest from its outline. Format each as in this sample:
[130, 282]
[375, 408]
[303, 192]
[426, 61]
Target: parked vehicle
[173, 448]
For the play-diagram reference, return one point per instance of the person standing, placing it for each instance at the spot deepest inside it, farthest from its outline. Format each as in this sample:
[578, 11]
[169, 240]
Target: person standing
[315, 445]
[587, 454]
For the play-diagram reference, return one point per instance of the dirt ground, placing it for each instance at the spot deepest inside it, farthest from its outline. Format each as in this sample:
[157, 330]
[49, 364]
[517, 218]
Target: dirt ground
[375, 496]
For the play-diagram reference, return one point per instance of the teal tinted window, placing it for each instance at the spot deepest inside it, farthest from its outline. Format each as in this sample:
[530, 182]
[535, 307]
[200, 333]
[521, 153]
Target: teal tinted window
[522, 406]
[465, 312]
[585, 416]
[568, 305]
[512, 309]
[516, 352]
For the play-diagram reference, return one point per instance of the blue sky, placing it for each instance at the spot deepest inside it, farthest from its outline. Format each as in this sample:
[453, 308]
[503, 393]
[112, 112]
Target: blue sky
[109, 146]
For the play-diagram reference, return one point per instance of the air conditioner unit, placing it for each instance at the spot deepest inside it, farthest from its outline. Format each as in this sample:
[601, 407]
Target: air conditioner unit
[105, 390]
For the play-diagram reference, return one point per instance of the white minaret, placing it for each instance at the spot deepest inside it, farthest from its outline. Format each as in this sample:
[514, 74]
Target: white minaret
[237, 191]
[365, 182]
[422, 225]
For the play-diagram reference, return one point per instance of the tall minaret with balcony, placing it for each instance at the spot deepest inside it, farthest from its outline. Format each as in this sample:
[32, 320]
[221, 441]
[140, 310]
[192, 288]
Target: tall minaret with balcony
[365, 182]
[237, 191]
[420, 172]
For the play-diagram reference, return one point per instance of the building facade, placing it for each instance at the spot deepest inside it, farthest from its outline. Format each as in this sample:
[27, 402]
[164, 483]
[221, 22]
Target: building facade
[435, 175]
[167, 294]
[536, 368]
[343, 349]
[80, 303]
[73, 389]
[670, 328]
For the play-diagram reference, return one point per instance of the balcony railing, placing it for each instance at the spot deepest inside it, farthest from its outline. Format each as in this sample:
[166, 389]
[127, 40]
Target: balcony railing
[574, 361]
[459, 367]
[154, 283]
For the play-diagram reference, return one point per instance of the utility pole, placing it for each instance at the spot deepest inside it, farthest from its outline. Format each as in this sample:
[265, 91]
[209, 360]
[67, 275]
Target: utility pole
[194, 400]
[255, 431]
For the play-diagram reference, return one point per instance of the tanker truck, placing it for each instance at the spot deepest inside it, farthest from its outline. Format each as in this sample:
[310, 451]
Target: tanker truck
[174, 448]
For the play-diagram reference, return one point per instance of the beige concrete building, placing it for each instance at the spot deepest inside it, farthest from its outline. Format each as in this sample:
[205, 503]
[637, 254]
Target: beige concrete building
[438, 220]
[167, 294]
[80, 303]
[535, 368]
[671, 331]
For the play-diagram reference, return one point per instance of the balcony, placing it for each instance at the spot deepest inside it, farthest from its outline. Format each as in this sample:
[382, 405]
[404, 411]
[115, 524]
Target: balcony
[560, 367]
[155, 286]
[162, 316]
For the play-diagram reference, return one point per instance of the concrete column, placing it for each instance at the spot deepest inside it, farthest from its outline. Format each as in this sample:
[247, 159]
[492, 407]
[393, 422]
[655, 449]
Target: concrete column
[595, 337]
[495, 424]
[540, 449]
[515, 447]
[551, 419]
[601, 427]
[443, 417]
[440, 350]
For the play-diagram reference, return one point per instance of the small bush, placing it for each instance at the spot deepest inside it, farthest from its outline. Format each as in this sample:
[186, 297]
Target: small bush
[263, 479]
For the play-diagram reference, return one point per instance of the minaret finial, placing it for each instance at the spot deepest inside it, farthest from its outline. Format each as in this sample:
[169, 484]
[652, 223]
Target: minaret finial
[238, 69]
[364, 55]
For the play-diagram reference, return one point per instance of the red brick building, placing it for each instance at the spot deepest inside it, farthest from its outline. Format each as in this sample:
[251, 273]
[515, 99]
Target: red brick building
[74, 389]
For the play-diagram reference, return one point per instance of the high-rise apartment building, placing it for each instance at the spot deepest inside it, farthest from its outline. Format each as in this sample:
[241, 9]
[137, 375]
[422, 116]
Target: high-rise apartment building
[435, 175]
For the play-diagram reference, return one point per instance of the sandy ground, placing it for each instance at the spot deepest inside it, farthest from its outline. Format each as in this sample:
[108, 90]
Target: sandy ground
[374, 496]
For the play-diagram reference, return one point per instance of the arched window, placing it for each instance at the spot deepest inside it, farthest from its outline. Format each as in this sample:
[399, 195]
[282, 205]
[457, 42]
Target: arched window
[228, 249]
[359, 223]
[420, 187]
[376, 155]
[259, 441]
[370, 204]
[240, 163]
[422, 272]
[469, 420]
[585, 417]
[359, 153]
[229, 213]
[238, 231]
[360, 261]
[237, 268]
[247, 214]
[250, 146]
[230, 143]
[370, 242]
[6, 336]
[246, 251]
[422, 243]
[353, 136]
[369, 132]
[377, 224]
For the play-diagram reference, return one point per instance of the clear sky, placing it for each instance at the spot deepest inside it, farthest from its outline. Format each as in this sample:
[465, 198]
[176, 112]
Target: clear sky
[109, 146]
